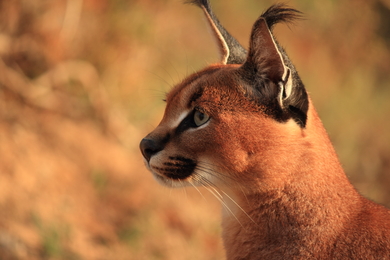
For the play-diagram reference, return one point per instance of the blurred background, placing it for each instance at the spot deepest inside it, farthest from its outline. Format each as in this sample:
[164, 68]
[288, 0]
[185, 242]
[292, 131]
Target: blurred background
[82, 81]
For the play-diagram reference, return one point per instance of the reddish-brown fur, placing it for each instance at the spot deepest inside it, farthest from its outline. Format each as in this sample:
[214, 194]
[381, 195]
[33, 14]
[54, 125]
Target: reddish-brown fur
[284, 191]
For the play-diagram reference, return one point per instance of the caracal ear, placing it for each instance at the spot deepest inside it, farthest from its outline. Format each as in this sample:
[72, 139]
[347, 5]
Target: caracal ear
[268, 74]
[265, 61]
[231, 50]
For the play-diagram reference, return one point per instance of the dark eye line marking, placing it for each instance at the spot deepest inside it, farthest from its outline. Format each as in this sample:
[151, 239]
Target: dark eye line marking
[186, 123]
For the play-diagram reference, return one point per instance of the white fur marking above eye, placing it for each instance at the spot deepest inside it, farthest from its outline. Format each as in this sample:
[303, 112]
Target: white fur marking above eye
[178, 120]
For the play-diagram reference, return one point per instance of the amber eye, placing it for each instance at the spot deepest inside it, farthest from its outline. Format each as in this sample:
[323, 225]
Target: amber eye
[200, 118]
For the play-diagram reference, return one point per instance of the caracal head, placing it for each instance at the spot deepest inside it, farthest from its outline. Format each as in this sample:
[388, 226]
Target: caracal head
[230, 122]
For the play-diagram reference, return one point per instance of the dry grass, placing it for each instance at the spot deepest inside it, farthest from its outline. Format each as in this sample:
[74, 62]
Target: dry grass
[81, 82]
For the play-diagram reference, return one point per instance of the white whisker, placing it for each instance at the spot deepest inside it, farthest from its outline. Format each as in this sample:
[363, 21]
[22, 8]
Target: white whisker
[246, 198]
[214, 189]
[223, 203]
[239, 206]
[212, 172]
[201, 194]
[207, 183]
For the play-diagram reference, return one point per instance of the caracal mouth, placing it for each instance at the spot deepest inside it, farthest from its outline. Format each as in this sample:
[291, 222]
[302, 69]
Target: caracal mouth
[174, 172]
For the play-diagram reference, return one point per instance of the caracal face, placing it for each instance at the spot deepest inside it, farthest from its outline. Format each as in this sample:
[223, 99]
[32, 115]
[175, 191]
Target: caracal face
[213, 134]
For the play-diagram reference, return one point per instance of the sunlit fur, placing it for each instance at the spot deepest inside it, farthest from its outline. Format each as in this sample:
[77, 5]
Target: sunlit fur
[283, 190]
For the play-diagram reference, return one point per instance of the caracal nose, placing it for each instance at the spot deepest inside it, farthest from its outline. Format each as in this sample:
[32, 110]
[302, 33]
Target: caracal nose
[150, 147]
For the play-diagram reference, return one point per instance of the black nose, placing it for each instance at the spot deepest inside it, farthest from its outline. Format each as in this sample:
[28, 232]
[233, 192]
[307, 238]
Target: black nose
[150, 147]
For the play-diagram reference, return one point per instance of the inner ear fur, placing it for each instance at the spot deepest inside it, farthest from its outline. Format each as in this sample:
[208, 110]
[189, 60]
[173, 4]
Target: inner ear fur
[269, 75]
[264, 58]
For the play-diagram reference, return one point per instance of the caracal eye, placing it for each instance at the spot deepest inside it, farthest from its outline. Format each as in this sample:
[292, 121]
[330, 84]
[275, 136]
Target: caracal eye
[200, 118]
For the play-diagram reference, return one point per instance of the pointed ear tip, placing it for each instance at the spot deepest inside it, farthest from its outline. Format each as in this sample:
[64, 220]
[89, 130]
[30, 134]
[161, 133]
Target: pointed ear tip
[259, 27]
[260, 20]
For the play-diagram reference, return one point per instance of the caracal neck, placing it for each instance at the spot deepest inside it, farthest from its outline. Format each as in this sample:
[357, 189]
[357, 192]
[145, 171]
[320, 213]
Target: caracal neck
[316, 199]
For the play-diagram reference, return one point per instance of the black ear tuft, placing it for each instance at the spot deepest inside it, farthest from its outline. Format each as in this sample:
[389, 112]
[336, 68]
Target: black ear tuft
[270, 77]
[231, 50]
[281, 13]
